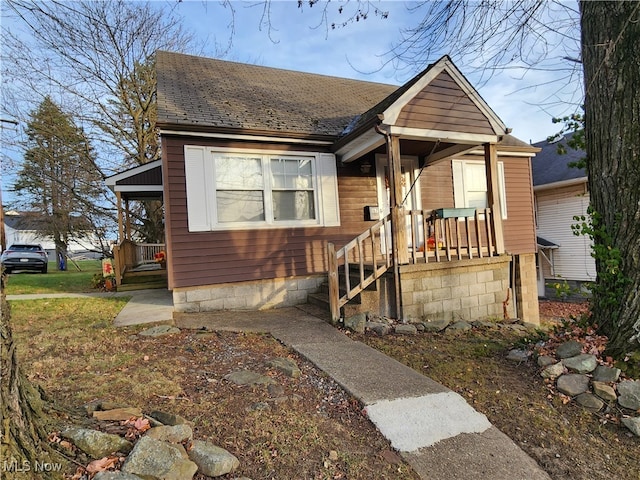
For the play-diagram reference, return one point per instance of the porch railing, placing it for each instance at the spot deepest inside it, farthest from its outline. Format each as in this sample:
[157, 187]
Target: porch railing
[430, 238]
[146, 252]
[128, 255]
[370, 256]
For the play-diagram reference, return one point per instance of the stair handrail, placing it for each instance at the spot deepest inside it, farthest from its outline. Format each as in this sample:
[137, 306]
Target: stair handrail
[375, 236]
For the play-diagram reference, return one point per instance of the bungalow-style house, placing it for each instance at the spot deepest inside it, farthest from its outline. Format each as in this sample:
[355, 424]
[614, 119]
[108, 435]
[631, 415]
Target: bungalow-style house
[278, 185]
[561, 194]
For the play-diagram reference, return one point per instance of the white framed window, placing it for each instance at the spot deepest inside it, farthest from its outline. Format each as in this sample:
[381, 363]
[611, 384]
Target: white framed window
[233, 189]
[470, 185]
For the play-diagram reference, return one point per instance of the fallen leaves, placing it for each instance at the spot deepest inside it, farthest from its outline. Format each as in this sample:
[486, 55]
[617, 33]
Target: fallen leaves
[136, 426]
[106, 463]
[110, 463]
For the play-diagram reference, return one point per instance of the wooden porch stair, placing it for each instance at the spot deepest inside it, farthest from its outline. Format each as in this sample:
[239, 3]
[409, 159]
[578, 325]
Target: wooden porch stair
[368, 300]
[142, 280]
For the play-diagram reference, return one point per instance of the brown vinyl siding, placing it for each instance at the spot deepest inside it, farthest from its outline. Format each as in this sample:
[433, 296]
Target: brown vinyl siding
[519, 227]
[443, 105]
[207, 258]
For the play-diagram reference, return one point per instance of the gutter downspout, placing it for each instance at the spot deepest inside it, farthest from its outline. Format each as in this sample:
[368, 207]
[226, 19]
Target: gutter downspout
[393, 204]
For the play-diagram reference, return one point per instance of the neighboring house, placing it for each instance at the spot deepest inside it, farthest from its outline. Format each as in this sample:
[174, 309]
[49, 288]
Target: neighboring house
[27, 227]
[276, 182]
[561, 194]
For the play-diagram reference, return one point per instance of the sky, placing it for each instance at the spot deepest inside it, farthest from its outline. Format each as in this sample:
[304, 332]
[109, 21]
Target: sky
[294, 38]
[298, 40]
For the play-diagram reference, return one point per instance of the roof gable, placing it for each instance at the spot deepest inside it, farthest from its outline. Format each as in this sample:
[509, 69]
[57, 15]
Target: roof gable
[441, 98]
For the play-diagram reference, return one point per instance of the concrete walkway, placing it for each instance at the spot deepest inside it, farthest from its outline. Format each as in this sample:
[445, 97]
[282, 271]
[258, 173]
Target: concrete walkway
[435, 430]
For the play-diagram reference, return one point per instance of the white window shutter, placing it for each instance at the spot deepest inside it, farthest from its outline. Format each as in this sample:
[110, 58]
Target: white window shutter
[197, 205]
[457, 168]
[328, 192]
[503, 190]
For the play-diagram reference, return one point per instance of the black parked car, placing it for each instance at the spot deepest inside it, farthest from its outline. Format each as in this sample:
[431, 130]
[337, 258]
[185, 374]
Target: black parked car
[24, 257]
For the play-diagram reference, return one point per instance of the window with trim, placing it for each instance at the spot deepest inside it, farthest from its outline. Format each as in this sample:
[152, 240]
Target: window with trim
[470, 185]
[229, 189]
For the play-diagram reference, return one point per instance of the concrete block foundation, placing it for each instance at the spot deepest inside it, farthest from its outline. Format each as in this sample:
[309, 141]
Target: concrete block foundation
[255, 295]
[458, 290]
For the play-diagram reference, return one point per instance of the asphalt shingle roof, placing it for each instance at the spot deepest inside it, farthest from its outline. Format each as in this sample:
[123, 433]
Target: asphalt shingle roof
[217, 94]
[549, 166]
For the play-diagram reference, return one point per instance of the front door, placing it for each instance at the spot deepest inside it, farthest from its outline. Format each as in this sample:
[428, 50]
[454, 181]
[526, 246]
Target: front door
[410, 192]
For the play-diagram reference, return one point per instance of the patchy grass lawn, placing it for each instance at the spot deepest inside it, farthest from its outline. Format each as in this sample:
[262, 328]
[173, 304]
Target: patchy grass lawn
[312, 430]
[309, 430]
[69, 281]
[565, 439]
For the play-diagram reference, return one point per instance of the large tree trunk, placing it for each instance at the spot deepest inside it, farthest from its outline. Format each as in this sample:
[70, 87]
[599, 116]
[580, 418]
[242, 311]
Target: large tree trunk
[23, 449]
[611, 58]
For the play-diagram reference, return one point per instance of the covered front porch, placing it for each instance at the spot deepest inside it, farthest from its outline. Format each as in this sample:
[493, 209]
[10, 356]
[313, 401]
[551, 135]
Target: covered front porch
[434, 119]
[137, 264]
[407, 241]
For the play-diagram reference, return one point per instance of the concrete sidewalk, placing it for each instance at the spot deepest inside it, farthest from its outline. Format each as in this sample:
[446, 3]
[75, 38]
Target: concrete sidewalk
[433, 428]
[145, 306]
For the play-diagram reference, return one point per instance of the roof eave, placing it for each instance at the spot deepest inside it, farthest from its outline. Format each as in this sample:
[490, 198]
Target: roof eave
[190, 130]
[562, 183]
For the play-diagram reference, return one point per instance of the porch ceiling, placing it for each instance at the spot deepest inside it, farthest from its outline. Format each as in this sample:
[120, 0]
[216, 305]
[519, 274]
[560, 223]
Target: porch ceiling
[421, 147]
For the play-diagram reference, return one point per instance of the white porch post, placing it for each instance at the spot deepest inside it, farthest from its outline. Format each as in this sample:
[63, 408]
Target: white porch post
[120, 222]
[493, 196]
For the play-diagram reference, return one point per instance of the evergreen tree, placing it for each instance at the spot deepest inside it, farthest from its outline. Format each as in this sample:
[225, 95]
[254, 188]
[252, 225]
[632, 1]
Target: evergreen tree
[58, 182]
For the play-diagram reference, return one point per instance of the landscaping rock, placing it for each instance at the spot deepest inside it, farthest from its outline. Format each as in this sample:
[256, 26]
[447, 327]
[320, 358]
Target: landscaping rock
[287, 366]
[169, 418]
[573, 384]
[569, 349]
[483, 324]
[379, 328]
[435, 325]
[258, 406]
[545, 360]
[629, 394]
[356, 322]
[517, 355]
[590, 401]
[604, 391]
[247, 377]
[459, 327]
[153, 459]
[583, 363]
[606, 374]
[171, 434]
[516, 327]
[117, 414]
[104, 475]
[97, 444]
[275, 390]
[633, 424]
[159, 330]
[553, 371]
[406, 329]
[212, 460]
